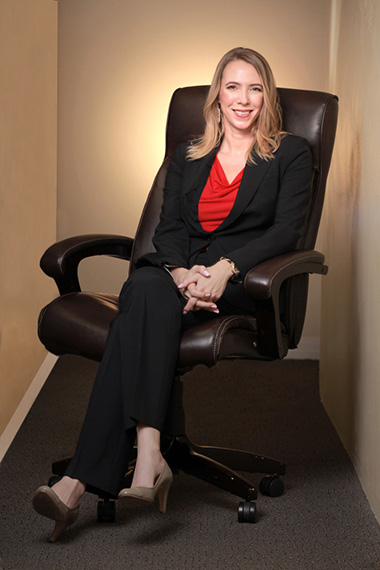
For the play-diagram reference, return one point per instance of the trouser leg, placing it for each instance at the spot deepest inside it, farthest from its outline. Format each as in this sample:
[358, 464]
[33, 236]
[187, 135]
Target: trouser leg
[134, 379]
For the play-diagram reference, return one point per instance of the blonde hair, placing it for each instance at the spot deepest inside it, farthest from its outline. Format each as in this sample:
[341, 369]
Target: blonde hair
[266, 130]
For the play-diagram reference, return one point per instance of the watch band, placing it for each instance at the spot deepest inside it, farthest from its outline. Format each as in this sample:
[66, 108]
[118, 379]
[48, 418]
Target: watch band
[236, 272]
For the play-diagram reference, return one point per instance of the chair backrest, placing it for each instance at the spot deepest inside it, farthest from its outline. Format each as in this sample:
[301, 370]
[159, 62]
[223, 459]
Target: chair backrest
[310, 114]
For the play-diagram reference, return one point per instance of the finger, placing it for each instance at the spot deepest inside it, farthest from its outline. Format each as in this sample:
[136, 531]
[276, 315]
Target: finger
[186, 294]
[212, 307]
[187, 282]
[193, 285]
[199, 294]
[189, 305]
[202, 287]
[202, 269]
[198, 299]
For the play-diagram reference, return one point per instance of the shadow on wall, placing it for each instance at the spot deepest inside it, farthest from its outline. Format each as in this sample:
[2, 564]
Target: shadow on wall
[340, 367]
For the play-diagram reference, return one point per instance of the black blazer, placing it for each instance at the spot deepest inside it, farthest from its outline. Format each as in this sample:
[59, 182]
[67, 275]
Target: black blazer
[267, 218]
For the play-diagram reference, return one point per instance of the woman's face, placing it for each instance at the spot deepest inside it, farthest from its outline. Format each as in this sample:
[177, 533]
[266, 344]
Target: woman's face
[240, 97]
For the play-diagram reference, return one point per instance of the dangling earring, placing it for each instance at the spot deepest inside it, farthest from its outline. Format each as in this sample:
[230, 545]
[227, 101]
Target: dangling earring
[219, 114]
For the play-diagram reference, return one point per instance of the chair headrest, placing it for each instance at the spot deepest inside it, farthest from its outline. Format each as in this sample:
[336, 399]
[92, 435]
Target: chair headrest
[310, 114]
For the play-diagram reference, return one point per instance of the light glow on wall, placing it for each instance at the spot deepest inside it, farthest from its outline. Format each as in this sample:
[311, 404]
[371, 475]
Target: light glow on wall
[119, 63]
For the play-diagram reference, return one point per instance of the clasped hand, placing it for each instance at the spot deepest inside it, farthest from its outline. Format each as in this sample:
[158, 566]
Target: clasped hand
[202, 286]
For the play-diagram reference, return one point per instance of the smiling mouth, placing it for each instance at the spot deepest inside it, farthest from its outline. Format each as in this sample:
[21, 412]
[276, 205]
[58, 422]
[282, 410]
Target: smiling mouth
[241, 113]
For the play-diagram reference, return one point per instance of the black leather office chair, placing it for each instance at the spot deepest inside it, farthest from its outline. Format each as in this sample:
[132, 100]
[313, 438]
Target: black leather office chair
[77, 322]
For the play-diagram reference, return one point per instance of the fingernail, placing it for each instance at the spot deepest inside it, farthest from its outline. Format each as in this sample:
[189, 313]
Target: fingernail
[207, 294]
[185, 312]
[180, 285]
[207, 273]
[214, 307]
[216, 311]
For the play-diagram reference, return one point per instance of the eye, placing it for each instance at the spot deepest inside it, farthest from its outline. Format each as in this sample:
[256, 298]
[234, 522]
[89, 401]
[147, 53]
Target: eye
[257, 89]
[231, 87]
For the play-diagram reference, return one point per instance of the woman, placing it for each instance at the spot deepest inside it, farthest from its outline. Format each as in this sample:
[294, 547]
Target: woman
[233, 198]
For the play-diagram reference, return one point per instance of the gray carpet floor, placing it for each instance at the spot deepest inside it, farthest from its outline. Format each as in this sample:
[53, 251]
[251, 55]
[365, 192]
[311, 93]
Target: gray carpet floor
[322, 522]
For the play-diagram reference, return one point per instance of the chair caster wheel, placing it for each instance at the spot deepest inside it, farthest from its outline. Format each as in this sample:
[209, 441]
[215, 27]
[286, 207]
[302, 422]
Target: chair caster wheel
[247, 512]
[54, 479]
[106, 510]
[272, 486]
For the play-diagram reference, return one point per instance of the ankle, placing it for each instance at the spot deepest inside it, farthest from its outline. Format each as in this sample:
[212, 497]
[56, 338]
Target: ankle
[69, 491]
[148, 439]
[148, 467]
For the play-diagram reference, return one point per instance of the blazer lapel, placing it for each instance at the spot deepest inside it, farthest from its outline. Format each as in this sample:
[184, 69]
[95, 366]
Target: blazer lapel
[199, 172]
[250, 183]
[196, 181]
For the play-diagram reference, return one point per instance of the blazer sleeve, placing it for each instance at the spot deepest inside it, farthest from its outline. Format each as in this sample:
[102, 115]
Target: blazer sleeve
[292, 207]
[171, 238]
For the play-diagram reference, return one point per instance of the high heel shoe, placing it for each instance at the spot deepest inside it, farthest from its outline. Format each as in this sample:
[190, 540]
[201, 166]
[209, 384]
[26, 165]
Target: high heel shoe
[138, 495]
[49, 505]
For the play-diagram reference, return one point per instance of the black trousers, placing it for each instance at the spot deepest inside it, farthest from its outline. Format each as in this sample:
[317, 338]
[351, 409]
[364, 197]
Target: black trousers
[135, 376]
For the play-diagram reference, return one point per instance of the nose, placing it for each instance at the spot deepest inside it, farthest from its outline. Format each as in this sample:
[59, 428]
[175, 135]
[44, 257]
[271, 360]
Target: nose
[243, 96]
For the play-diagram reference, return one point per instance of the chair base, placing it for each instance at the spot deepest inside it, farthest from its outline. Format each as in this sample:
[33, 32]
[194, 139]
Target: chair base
[215, 465]
[218, 466]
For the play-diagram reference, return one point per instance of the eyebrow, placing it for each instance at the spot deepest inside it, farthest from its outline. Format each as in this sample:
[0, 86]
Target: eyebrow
[237, 83]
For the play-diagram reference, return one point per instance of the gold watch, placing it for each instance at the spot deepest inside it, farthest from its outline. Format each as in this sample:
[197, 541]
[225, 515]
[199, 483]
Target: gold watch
[236, 272]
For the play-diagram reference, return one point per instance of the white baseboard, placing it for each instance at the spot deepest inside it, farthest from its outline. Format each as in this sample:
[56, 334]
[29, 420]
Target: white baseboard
[26, 403]
[307, 349]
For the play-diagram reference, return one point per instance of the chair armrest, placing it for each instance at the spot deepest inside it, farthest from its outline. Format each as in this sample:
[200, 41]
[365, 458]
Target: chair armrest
[263, 283]
[265, 280]
[61, 260]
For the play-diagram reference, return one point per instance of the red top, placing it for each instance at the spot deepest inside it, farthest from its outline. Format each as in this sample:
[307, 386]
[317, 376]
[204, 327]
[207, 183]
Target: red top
[217, 198]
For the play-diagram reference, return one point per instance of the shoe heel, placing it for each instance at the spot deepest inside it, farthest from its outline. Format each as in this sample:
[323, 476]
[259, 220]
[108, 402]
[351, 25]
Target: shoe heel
[59, 527]
[162, 494]
[48, 504]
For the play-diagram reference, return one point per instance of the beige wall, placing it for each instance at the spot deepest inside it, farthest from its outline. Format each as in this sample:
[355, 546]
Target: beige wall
[119, 63]
[350, 335]
[28, 143]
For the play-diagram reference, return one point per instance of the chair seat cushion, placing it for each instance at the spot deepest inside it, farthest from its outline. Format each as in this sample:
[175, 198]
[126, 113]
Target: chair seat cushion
[78, 323]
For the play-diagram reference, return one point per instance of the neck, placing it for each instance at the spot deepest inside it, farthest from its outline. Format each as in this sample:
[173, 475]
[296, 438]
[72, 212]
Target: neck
[236, 144]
